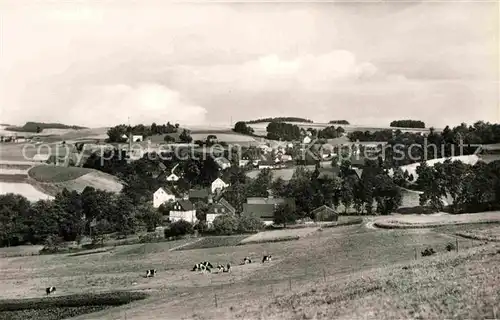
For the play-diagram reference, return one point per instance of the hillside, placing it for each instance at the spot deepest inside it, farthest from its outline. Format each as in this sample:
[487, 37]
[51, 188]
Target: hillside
[53, 179]
[33, 127]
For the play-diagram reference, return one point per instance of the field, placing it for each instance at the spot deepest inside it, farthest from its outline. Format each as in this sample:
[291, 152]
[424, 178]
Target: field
[315, 276]
[53, 179]
[25, 189]
[279, 235]
[436, 220]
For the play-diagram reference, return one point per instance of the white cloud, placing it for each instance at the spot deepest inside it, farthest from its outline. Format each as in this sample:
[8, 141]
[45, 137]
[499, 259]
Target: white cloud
[145, 103]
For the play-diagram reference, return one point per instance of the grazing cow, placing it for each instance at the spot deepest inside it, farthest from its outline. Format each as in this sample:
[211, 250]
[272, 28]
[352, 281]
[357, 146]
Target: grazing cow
[150, 273]
[266, 258]
[220, 267]
[247, 260]
[207, 264]
[49, 290]
[227, 269]
[201, 267]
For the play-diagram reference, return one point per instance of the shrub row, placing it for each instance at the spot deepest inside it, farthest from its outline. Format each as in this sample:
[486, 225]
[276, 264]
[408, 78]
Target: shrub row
[77, 300]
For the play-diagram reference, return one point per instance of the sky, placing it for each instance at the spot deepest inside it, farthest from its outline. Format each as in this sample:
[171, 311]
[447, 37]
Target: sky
[100, 63]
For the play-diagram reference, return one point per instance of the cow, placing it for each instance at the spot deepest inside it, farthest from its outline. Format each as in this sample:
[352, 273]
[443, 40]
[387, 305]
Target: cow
[150, 273]
[207, 264]
[49, 290]
[220, 267]
[201, 267]
[227, 269]
[266, 258]
[247, 260]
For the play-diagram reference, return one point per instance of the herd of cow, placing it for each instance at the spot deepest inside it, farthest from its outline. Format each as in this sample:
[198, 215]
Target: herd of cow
[204, 266]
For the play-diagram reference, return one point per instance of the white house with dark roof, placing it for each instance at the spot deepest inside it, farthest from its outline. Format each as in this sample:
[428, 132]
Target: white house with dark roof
[183, 210]
[223, 163]
[218, 185]
[219, 208]
[161, 196]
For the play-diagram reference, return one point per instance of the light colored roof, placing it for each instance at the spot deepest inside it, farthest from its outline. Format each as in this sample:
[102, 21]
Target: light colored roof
[41, 157]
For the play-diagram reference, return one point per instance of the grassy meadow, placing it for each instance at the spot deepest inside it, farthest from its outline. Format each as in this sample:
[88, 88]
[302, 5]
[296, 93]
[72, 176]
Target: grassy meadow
[326, 267]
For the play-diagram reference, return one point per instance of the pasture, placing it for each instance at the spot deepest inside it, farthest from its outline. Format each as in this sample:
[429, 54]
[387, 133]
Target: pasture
[334, 261]
[437, 219]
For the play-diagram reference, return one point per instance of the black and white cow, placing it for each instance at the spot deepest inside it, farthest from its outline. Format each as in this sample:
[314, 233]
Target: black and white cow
[202, 267]
[227, 269]
[220, 268]
[247, 260]
[266, 258]
[207, 264]
[49, 290]
[150, 273]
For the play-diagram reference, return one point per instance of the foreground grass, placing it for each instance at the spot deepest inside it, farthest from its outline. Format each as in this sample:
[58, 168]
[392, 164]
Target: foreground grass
[214, 242]
[461, 286]
[62, 307]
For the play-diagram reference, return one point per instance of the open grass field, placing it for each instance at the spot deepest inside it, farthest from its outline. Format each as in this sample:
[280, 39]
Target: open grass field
[25, 189]
[318, 274]
[47, 173]
[53, 179]
[279, 235]
[215, 242]
[436, 220]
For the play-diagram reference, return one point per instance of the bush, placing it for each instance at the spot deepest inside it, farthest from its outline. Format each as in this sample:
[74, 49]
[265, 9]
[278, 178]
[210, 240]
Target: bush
[249, 223]
[225, 224]
[428, 252]
[179, 228]
[450, 247]
[149, 237]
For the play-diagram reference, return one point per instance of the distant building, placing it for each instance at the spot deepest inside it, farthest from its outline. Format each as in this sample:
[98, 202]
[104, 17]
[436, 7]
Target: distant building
[223, 163]
[218, 185]
[218, 208]
[264, 207]
[196, 195]
[39, 157]
[306, 140]
[161, 196]
[183, 210]
[172, 177]
[325, 213]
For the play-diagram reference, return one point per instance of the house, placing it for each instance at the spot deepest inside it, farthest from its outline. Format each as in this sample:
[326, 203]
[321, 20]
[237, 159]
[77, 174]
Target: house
[41, 157]
[161, 196]
[264, 207]
[183, 210]
[265, 148]
[218, 185]
[243, 162]
[223, 163]
[328, 173]
[135, 138]
[218, 208]
[196, 195]
[172, 177]
[358, 162]
[267, 164]
[306, 140]
[324, 213]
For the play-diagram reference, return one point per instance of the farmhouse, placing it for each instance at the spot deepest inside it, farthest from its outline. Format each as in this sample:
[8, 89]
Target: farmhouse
[218, 185]
[264, 207]
[223, 163]
[196, 195]
[161, 196]
[306, 140]
[324, 213]
[218, 208]
[172, 177]
[183, 210]
[135, 138]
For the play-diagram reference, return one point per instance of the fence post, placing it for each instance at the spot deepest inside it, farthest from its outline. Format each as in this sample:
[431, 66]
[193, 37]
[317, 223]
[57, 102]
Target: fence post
[456, 240]
[290, 283]
[215, 299]
[416, 256]
[324, 275]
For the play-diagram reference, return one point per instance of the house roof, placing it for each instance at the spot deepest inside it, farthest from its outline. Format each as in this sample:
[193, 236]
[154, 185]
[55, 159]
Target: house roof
[263, 211]
[186, 205]
[273, 201]
[218, 179]
[358, 161]
[161, 166]
[323, 207]
[165, 189]
[198, 193]
[328, 172]
[227, 205]
[222, 160]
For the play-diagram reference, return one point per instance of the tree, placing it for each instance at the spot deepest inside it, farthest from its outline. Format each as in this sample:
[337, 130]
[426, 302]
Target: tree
[149, 216]
[185, 137]
[347, 192]
[167, 138]
[387, 194]
[248, 222]
[14, 211]
[179, 228]
[241, 127]
[201, 210]
[284, 214]
[225, 224]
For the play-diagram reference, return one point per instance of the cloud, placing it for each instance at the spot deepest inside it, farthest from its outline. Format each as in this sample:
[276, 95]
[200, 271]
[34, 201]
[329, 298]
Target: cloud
[144, 103]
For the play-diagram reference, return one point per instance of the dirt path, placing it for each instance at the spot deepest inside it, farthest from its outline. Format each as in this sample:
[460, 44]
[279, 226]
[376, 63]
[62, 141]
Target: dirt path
[186, 244]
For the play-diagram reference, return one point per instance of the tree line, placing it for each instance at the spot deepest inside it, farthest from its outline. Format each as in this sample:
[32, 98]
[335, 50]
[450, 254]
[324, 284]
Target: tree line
[280, 119]
[283, 131]
[115, 134]
[345, 122]
[407, 124]
[72, 215]
[472, 188]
